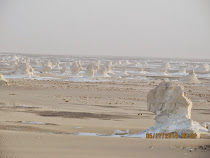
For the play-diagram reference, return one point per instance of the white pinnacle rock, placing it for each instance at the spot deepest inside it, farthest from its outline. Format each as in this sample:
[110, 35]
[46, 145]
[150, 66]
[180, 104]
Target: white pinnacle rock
[191, 78]
[102, 72]
[89, 72]
[75, 68]
[108, 67]
[25, 68]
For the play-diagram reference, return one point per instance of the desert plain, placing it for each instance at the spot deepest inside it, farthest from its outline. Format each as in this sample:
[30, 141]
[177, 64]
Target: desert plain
[53, 118]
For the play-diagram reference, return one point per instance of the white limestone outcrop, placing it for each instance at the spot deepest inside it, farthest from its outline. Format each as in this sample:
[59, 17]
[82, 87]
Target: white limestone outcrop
[108, 66]
[94, 66]
[25, 69]
[63, 68]
[90, 72]
[173, 111]
[191, 78]
[203, 68]
[102, 72]
[3, 81]
[75, 68]
[46, 68]
[182, 70]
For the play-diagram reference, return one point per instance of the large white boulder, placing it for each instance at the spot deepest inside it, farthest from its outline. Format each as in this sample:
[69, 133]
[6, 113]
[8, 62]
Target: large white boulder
[173, 111]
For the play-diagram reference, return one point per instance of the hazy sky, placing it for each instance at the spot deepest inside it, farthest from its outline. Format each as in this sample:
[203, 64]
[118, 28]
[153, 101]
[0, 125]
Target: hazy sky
[161, 28]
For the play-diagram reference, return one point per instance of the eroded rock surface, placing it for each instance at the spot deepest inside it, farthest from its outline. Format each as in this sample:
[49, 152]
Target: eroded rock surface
[191, 78]
[173, 111]
[3, 81]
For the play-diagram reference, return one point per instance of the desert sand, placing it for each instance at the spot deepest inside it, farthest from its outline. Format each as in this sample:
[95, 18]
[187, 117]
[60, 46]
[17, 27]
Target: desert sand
[48, 118]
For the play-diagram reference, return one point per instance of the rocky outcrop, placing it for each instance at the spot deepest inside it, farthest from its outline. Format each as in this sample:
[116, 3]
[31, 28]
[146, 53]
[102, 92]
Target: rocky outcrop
[102, 72]
[75, 68]
[108, 66]
[25, 68]
[164, 69]
[191, 78]
[203, 68]
[89, 72]
[182, 70]
[93, 66]
[3, 81]
[46, 68]
[172, 109]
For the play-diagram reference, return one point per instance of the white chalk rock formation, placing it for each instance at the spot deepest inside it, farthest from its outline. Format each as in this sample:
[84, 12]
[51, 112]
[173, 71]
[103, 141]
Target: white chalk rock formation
[23, 60]
[138, 64]
[127, 62]
[123, 73]
[57, 65]
[93, 66]
[173, 111]
[63, 70]
[3, 81]
[145, 64]
[48, 63]
[90, 72]
[34, 62]
[75, 68]
[191, 78]
[182, 70]
[108, 66]
[80, 64]
[46, 67]
[98, 62]
[204, 68]
[25, 68]
[118, 63]
[102, 72]
[13, 58]
[162, 71]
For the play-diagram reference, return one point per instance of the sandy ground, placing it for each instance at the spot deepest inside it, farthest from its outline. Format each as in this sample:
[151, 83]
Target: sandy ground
[68, 108]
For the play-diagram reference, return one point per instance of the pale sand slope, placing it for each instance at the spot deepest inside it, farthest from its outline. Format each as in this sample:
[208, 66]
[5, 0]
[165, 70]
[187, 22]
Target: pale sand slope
[95, 108]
